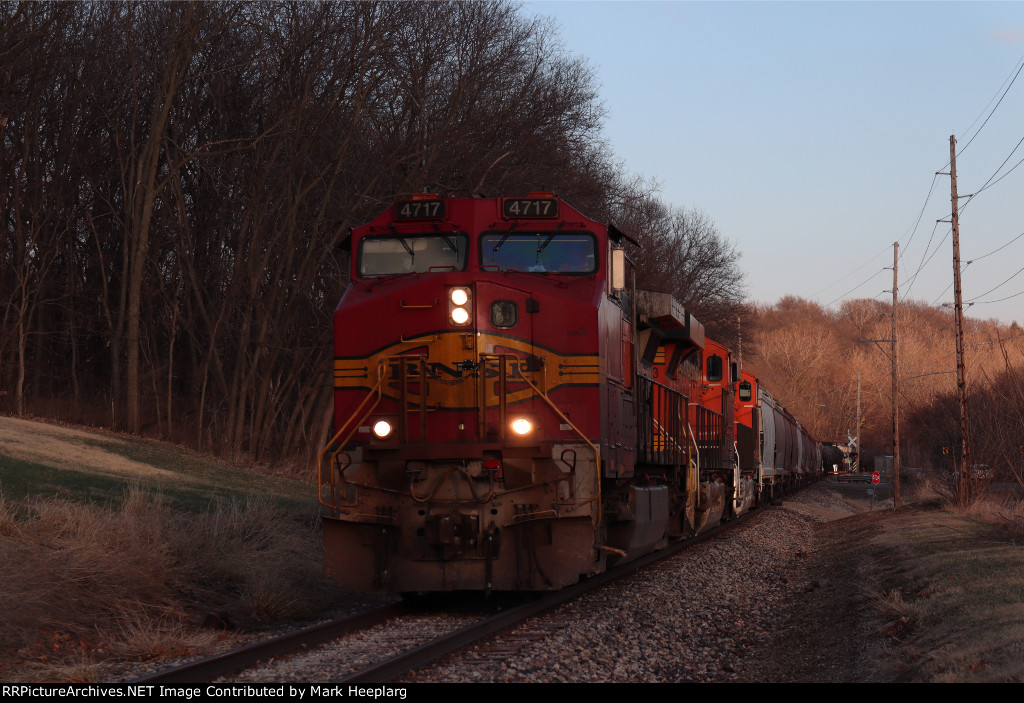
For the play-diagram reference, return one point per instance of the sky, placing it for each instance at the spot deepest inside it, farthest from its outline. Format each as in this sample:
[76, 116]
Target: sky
[811, 134]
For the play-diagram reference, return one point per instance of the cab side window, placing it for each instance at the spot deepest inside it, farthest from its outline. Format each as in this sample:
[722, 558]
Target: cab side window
[714, 368]
[745, 391]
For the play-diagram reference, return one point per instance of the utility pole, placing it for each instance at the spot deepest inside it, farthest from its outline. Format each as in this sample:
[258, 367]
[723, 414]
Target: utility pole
[858, 414]
[895, 401]
[739, 344]
[855, 447]
[964, 482]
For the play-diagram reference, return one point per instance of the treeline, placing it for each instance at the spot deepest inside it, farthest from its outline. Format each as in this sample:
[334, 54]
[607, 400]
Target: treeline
[809, 357]
[683, 253]
[177, 180]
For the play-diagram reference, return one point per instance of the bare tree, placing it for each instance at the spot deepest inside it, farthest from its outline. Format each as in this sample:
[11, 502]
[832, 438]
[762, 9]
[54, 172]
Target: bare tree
[682, 252]
[177, 181]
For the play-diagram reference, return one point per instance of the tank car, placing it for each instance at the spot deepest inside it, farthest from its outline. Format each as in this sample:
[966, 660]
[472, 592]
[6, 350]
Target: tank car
[511, 413]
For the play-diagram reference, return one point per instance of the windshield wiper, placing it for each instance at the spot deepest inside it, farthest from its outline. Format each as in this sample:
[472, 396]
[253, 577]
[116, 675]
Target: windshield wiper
[550, 237]
[449, 242]
[502, 240]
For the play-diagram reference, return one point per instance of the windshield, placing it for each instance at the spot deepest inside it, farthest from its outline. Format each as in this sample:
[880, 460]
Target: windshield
[542, 252]
[394, 255]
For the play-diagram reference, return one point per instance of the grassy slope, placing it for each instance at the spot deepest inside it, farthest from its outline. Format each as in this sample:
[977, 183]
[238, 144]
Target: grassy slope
[120, 549]
[37, 459]
[951, 586]
[932, 593]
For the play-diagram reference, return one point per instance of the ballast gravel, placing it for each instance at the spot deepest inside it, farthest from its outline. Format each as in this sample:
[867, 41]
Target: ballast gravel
[707, 614]
[754, 603]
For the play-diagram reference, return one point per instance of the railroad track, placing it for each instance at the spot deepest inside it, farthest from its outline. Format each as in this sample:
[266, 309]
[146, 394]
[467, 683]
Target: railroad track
[237, 659]
[413, 652]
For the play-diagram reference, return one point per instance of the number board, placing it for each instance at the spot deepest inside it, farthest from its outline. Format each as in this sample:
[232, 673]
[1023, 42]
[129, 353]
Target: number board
[419, 209]
[530, 207]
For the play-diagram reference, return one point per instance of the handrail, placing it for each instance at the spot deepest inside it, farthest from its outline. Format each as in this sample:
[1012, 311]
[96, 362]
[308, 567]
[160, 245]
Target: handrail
[593, 448]
[345, 426]
[502, 360]
[696, 448]
[736, 478]
[665, 437]
[382, 365]
[403, 420]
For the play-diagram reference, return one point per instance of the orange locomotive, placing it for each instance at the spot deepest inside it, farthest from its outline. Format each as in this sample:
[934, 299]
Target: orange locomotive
[510, 412]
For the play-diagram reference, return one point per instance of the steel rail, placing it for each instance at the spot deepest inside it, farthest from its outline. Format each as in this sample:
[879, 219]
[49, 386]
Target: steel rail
[424, 655]
[234, 660]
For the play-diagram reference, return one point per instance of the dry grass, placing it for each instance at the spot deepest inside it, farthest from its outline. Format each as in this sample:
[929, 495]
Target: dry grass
[115, 548]
[901, 615]
[74, 668]
[950, 586]
[1005, 511]
[64, 447]
[141, 634]
[84, 584]
[38, 458]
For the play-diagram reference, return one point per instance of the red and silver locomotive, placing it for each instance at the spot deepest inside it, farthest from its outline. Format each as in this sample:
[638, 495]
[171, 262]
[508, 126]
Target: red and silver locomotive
[511, 413]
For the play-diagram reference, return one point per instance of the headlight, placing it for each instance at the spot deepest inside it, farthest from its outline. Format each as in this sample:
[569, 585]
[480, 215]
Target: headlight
[459, 306]
[521, 426]
[460, 296]
[382, 428]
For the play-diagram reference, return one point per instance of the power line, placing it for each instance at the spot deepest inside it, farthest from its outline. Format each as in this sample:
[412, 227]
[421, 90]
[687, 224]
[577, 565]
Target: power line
[944, 333]
[1007, 173]
[999, 300]
[917, 222]
[913, 232]
[920, 266]
[1019, 65]
[840, 280]
[994, 251]
[946, 290]
[989, 343]
[925, 257]
[996, 341]
[989, 182]
[859, 285]
[924, 262]
[1019, 271]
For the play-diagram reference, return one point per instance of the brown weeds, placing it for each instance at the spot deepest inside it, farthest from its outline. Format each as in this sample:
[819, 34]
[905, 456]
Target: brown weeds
[951, 584]
[83, 584]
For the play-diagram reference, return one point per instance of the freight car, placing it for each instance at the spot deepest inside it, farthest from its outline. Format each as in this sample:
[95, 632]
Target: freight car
[512, 413]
